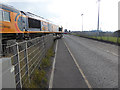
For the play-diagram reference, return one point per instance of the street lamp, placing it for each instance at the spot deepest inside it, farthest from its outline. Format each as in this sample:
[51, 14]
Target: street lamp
[98, 16]
[82, 21]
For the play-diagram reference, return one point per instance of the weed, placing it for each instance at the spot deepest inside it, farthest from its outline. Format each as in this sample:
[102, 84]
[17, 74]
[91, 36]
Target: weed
[38, 78]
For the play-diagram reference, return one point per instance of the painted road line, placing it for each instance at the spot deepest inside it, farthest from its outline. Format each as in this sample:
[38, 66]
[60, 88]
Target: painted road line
[83, 75]
[110, 52]
[104, 50]
[53, 68]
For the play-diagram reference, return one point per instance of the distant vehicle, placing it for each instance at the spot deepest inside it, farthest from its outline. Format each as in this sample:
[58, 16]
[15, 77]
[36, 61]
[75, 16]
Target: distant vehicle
[19, 24]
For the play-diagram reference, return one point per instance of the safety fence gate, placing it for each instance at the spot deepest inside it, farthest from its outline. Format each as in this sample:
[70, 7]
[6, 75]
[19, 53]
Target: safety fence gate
[26, 56]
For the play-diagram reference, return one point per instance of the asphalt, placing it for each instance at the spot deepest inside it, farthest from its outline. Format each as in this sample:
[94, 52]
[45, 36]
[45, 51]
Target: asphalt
[66, 74]
[98, 60]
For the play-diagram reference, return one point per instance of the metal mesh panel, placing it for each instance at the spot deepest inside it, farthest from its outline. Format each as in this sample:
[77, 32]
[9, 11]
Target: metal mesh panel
[26, 56]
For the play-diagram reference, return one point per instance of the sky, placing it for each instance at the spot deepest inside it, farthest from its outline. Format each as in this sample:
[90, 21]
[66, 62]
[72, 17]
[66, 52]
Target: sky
[67, 13]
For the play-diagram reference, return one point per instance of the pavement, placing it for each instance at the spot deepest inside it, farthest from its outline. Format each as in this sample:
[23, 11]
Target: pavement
[66, 74]
[97, 60]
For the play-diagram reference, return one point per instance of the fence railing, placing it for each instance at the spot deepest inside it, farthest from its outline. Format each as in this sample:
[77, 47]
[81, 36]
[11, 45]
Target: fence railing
[26, 56]
[103, 36]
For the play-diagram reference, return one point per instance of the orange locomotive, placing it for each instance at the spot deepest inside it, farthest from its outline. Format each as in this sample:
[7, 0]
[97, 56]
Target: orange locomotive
[19, 24]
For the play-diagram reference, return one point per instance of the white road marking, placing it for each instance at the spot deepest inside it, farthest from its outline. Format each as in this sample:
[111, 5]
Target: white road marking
[83, 75]
[103, 49]
[53, 68]
[109, 52]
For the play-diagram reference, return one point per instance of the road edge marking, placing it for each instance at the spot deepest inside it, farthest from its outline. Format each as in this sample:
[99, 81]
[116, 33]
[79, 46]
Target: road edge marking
[83, 75]
[53, 68]
[105, 50]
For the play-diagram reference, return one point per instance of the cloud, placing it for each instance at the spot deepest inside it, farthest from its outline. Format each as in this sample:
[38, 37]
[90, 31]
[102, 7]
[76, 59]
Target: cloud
[68, 12]
[6, 1]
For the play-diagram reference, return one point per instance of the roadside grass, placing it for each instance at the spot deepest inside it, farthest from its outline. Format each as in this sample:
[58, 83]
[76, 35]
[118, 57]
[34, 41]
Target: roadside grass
[39, 77]
[109, 38]
[75, 34]
[104, 38]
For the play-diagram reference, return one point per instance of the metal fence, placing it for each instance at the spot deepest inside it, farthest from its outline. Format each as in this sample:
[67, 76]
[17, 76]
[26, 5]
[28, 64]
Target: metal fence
[103, 36]
[26, 56]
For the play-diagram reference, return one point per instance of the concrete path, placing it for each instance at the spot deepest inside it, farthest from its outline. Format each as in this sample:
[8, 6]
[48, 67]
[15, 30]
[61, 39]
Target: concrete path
[66, 74]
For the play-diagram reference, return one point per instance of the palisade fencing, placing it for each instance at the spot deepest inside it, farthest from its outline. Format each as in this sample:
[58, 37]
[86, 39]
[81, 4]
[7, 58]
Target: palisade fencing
[26, 56]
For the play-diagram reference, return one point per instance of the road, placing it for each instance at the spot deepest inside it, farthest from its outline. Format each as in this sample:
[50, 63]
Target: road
[98, 61]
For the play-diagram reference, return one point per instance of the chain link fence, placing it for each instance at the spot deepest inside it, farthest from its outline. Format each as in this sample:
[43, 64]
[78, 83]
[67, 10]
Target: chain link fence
[26, 56]
[110, 37]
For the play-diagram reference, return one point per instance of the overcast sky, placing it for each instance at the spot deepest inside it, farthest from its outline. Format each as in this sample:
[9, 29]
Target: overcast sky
[68, 12]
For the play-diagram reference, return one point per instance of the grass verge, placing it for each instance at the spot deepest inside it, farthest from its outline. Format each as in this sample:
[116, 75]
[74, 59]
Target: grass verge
[103, 38]
[39, 78]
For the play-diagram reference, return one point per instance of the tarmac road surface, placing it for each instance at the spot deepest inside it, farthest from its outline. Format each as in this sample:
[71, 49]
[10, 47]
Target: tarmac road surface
[97, 60]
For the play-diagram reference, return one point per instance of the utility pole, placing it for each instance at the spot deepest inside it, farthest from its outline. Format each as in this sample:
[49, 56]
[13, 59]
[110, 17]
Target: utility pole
[98, 17]
[82, 21]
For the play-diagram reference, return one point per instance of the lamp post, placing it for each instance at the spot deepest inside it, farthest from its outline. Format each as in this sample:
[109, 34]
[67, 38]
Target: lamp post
[98, 16]
[82, 21]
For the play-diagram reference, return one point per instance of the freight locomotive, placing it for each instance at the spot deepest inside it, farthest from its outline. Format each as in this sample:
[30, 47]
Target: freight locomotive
[18, 24]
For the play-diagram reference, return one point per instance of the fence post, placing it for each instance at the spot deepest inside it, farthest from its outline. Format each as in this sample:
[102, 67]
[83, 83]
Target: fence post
[0, 45]
[18, 61]
[118, 38]
[44, 43]
[27, 64]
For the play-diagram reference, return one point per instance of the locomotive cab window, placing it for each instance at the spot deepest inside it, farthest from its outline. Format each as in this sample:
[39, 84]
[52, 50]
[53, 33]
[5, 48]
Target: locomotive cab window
[33, 23]
[6, 16]
[1, 15]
